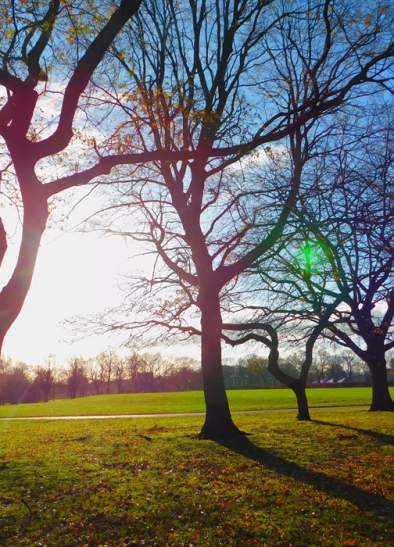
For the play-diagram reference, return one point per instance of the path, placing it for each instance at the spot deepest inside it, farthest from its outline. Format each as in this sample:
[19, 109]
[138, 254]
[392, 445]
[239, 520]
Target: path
[165, 415]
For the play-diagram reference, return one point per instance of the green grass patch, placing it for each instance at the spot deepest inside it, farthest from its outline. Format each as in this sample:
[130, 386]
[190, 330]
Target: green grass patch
[151, 482]
[186, 401]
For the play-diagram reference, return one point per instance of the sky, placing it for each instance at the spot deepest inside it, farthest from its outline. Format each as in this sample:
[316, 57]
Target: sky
[76, 274]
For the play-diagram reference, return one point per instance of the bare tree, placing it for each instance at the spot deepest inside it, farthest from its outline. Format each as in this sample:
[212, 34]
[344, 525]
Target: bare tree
[35, 36]
[120, 373]
[14, 382]
[271, 341]
[77, 380]
[342, 249]
[366, 324]
[106, 363]
[133, 364]
[95, 378]
[349, 363]
[202, 71]
[44, 380]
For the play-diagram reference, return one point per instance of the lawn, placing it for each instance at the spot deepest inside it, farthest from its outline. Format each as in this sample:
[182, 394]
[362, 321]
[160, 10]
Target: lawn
[186, 401]
[151, 482]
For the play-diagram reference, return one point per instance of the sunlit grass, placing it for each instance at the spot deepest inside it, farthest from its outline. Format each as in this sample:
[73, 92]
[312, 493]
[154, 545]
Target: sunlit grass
[151, 482]
[186, 401]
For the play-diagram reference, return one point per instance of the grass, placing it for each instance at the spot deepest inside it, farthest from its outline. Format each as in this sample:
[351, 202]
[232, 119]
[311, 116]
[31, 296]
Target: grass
[186, 401]
[151, 482]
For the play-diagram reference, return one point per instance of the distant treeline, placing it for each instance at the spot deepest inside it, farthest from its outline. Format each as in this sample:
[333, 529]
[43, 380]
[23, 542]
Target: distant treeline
[108, 373]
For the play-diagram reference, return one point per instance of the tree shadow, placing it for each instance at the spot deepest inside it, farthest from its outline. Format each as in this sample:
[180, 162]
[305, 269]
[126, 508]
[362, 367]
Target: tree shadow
[383, 438]
[335, 487]
[17, 480]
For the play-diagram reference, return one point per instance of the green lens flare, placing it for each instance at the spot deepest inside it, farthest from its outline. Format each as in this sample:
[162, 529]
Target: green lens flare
[310, 257]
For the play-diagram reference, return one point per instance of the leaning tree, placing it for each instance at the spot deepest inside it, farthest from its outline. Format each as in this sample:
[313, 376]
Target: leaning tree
[224, 80]
[49, 52]
[267, 329]
[42, 45]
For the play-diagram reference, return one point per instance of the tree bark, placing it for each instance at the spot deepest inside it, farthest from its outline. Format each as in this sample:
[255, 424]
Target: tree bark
[3, 241]
[381, 398]
[13, 295]
[302, 401]
[297, 385]
[218, 422]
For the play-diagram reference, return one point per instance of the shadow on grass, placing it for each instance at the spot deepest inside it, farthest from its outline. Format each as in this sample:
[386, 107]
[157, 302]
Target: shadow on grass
[334, 487]
[17, 509]
[383, 438]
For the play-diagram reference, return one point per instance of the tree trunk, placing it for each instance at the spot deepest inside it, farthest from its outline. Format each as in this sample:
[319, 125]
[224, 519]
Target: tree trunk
[381, 398]
[218, 422]
[297, 385]
[13, 295]
[302, 401]
[3, 241]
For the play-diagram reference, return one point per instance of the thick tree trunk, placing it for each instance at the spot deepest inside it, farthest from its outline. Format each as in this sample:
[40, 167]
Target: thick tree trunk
[302, 401]
[14, 293]
[3, 241]
[218, 422]
[381, 398]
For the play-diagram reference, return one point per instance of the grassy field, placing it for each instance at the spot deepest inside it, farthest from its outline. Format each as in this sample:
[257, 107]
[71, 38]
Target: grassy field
[186, 401]
[151, 482]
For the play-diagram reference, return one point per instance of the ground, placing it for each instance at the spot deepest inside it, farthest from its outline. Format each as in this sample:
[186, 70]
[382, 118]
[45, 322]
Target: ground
[151, 482]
